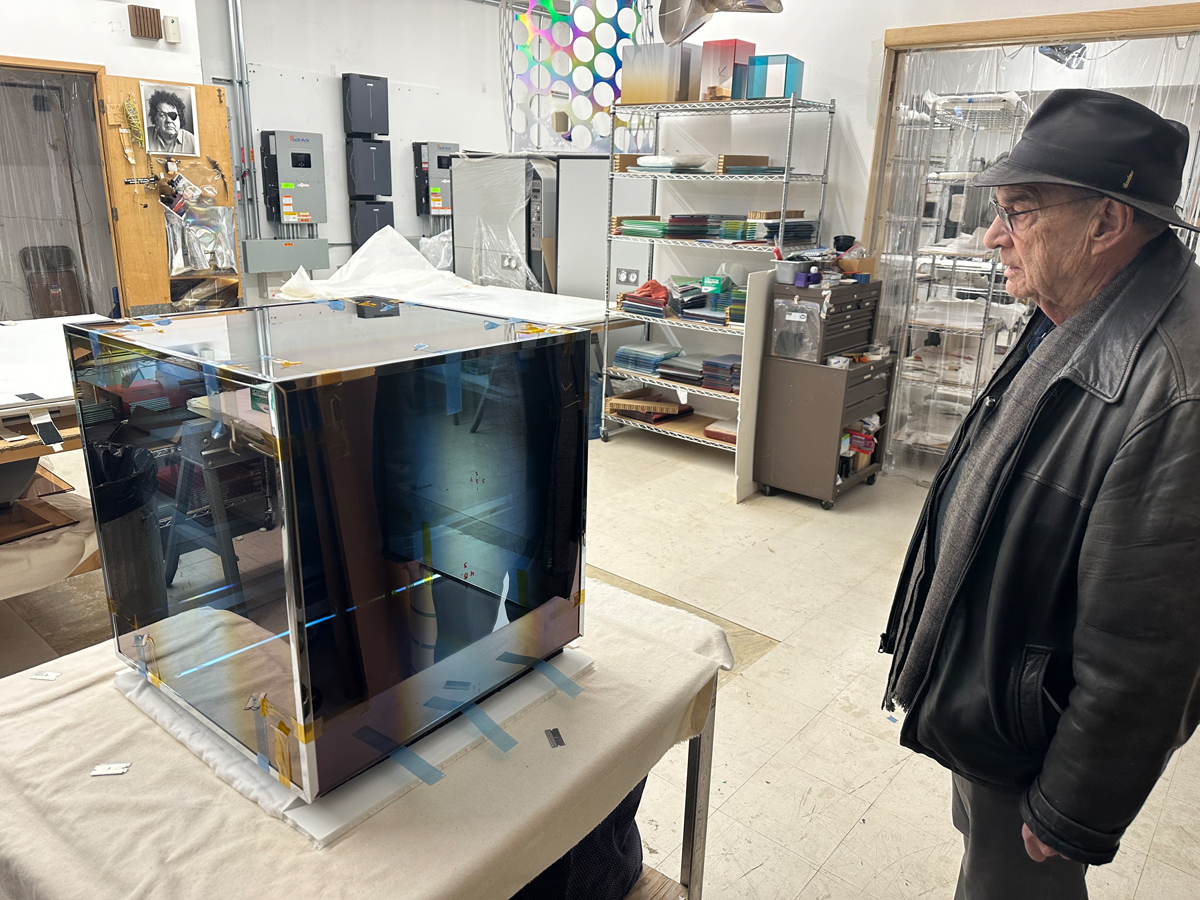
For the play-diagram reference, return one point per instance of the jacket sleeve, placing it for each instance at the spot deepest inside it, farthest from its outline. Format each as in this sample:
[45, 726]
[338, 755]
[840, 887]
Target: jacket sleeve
[1136, 657]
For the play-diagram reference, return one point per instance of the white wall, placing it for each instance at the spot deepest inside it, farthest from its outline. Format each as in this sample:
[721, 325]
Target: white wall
[97, 31]
[440, 57]
[842, 48]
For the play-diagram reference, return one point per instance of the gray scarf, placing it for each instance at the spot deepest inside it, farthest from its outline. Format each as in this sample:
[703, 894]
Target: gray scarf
[982, 461]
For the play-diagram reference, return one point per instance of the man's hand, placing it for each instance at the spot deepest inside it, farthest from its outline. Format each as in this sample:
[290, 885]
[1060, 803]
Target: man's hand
[1037, 851]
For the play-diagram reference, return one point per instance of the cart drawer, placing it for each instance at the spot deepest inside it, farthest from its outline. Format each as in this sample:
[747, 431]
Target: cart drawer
[869, 387]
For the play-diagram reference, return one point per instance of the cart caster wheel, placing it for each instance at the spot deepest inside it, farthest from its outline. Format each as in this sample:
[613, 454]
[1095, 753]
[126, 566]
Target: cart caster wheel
[826, 504]
[603, 436]
[769, 491]
[870, 479]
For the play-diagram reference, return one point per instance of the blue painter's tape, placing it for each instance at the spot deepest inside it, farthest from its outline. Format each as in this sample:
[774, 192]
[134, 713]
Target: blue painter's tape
[491, 730]
[163, 321]
[427, 772]
[488, 326]
[453, 376]
[571, 688]
[481, 720]
[212, 389]
[337, 304]
[561, 681]
[94, 338]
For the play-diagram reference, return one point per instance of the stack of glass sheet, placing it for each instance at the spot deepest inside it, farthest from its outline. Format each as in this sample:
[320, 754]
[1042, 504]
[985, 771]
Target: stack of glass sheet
[723, 373]
[644, 358]
[684, 369]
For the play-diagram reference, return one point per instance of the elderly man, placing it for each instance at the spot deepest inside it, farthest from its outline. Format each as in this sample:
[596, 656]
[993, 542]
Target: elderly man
[1046, 628]
[166, 133]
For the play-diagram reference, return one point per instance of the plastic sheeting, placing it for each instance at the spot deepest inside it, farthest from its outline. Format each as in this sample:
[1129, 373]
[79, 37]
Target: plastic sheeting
[56, 256]
[944, 307]
[387, 265]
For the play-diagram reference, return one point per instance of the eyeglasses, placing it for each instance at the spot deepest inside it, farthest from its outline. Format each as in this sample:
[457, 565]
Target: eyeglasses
[1006, 215]
[170, 115]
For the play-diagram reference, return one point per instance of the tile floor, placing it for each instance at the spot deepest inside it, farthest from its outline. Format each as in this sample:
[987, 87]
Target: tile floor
[813, 798]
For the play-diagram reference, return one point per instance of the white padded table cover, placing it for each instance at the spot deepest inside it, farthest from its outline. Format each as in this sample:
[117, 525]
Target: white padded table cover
[170, 827]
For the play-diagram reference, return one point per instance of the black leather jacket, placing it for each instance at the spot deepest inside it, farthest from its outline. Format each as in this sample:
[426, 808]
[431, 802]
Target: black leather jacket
[1083, 592]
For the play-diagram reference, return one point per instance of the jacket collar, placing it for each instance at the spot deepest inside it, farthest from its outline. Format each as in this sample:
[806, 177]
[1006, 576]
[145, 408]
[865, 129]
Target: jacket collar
[1103, 361]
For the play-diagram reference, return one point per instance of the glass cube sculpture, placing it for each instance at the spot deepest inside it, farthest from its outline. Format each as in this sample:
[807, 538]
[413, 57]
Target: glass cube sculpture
[719, 63]
[778, 75]
[326, 527]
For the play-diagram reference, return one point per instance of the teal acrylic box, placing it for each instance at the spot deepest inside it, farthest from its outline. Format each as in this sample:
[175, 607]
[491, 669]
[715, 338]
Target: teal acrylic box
[778, 75]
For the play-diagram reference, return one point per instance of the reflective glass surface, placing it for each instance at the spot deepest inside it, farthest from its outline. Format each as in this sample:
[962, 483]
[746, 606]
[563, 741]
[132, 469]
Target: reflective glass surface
[326, 531]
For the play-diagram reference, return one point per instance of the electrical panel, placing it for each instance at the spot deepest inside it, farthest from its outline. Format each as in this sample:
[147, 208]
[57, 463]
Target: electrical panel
[364, 104]
[367, 217]
[293, 167]
[368, 167]
[431, 170]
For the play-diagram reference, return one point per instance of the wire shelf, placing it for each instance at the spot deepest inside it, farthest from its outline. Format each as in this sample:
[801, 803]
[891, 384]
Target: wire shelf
[721, 107]
[680, 323]
[704, 245]
[667, 383]
[712, 176]
[670, 432]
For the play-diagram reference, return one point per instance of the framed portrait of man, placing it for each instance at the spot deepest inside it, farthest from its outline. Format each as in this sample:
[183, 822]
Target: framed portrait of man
[169, 119]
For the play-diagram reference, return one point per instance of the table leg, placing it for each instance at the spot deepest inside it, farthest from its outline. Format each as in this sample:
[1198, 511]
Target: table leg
[695, 804]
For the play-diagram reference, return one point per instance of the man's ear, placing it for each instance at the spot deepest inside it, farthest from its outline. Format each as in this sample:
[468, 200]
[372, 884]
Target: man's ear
[1111, 222]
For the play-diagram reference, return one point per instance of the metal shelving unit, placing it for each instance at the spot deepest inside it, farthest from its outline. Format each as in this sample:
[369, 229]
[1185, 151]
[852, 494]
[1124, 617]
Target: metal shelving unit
[648, 117]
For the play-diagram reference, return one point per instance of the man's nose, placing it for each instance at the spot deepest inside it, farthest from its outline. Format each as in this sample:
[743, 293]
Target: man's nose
[997, 235]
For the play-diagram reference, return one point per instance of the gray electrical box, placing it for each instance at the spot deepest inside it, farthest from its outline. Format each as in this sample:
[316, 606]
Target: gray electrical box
[368, 167]
[364, 104]
[293, 167]
[367, 217]
[431, 172]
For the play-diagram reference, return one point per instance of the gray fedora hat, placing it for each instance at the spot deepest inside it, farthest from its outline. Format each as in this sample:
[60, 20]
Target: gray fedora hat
[1102, 142]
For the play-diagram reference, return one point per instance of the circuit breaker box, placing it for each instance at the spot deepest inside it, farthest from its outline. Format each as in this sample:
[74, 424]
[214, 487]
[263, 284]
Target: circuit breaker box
[293, 167]
[431, 171]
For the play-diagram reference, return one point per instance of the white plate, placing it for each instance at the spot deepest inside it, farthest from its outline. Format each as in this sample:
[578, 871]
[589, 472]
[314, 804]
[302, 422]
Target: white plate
[677, 162]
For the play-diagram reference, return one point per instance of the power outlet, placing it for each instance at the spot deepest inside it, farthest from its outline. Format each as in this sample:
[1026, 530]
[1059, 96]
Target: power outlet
[628, 277]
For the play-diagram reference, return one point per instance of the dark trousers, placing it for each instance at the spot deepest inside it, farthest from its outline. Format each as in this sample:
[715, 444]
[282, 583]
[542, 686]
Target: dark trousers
[995, 865]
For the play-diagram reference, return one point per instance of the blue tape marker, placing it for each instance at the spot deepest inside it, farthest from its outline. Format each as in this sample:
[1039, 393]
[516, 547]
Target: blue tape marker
[491, 730]
[163, 321]
[95, 341]
[488, 326]
[212, 389]
[427, 772]
[420, 346]
[453, 376]
[571, 688]
[336, 304]
[481, 720]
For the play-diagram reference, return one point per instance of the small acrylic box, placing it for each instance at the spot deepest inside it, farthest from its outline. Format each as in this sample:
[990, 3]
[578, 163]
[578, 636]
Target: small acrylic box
[778, 75]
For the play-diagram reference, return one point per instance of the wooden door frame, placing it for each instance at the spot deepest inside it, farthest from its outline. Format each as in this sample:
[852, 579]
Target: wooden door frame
[97, 72]
[1112, 24]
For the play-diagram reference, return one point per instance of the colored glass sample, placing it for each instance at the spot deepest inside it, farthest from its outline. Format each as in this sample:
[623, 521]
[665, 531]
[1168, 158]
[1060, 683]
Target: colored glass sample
[718, 63]
[327, 534]
[778, 75]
